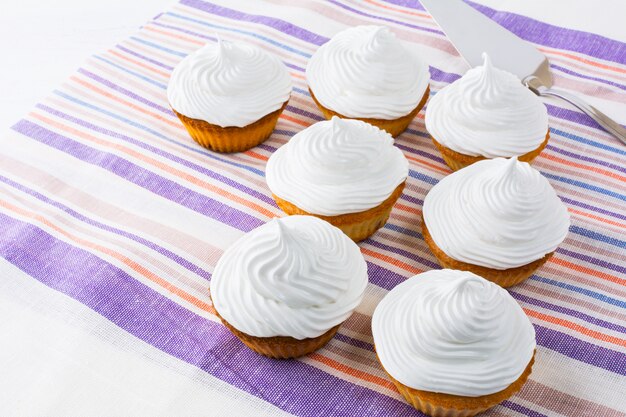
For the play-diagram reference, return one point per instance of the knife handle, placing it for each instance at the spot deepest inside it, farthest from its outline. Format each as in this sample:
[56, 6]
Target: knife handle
[603, 120]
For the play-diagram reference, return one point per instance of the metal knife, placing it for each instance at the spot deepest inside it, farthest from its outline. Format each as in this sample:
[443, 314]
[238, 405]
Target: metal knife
[473, 33]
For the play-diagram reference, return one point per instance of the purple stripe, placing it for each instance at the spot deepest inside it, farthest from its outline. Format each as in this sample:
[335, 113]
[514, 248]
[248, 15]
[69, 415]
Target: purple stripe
[277, 24]
[124, 91]
[592, 260]
[421, 153]
[582, 351]
[382, 277]
[355, 342]
[291, 385]
[407, 254]
[546, 34]
[145, 58]
[385, 19]
[413, 200]
[593, 208]
[568, 311]
[137, 175]
[588, 77]
[171, 157]
[163, 251]
[588, 159]
[521, 409]
[305, 113]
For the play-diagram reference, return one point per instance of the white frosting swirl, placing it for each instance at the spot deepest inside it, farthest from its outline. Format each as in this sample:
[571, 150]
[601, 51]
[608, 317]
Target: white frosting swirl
[498, 213]
[365, 72]
[296, 276]
[337, 166]
[229, 84]
[452, 332]
[487, 112]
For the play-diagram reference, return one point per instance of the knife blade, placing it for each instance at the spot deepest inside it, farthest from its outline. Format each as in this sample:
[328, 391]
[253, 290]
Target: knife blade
[473, 33]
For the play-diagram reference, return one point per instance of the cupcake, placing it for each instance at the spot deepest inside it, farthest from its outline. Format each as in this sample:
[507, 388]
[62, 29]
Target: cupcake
[365, 73]
[229, 95]
[346, 172]
[487, 113]
[498, 218]
[285, 288]
[453, 343]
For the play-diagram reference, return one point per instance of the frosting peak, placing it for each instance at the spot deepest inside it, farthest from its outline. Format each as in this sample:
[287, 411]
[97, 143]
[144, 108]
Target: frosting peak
[452, 332]
[365, 72]
[296, 276]
[487, 112]
[498, 213]
[337, 166]
[229, 84]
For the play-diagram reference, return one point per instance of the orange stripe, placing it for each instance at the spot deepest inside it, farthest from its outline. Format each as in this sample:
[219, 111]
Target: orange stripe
[174, 35]
[585, 167]
[576, 327]
[592, 216]
[293, 119]
[581, 59]
[158, 164]
[595, 273]
[408, 209]
[256, 155]
[428, 164]
[141, 64]
[126, 261]
[92, 87]
[365, 376]
[409, 12]
[392, 261]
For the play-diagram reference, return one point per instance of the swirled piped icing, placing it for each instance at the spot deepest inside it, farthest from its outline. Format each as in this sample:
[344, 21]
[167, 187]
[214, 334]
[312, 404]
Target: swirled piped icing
[296, 276]
[452, 332]
[498, 213]
[487, 112]
[229, 84]
[365, 72]
[337, 166]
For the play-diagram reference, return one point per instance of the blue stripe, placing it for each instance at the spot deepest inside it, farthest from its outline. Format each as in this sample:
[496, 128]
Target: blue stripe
[403, 230]
[157, 46]
[585, 186]
[244, 32]
[423, 177]
[157, 134]
[597, 236]
[589, 293]
[143, 77]
[587, 141]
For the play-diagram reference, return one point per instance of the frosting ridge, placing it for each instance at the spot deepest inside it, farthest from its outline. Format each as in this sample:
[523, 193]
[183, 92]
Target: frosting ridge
[337, 166]
[487, 112]
[363, 72]
[229, 84]
[295, 276]
[452, 332]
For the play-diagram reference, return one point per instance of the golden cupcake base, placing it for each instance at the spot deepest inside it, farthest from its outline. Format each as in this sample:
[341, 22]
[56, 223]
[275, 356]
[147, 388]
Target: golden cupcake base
[357, 226]
[456, 160]
[394, 127]
[230, 139]
[446, 405]
[503, 277]
[281, 347]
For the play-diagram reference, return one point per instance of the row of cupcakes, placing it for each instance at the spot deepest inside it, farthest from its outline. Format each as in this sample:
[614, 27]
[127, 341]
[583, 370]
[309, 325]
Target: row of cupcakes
[229, 96]
[453, 342]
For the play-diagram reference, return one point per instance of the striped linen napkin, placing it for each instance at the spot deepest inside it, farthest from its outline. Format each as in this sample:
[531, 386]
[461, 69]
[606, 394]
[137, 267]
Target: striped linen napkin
[112, 220]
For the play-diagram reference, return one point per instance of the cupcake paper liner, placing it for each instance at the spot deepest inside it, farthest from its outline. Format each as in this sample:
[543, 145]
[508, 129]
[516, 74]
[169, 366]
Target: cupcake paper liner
[357, 226]
[230, 139]
[281, 347]
[447, 405]
[456, 160]
[503, 277]
[394, 127]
